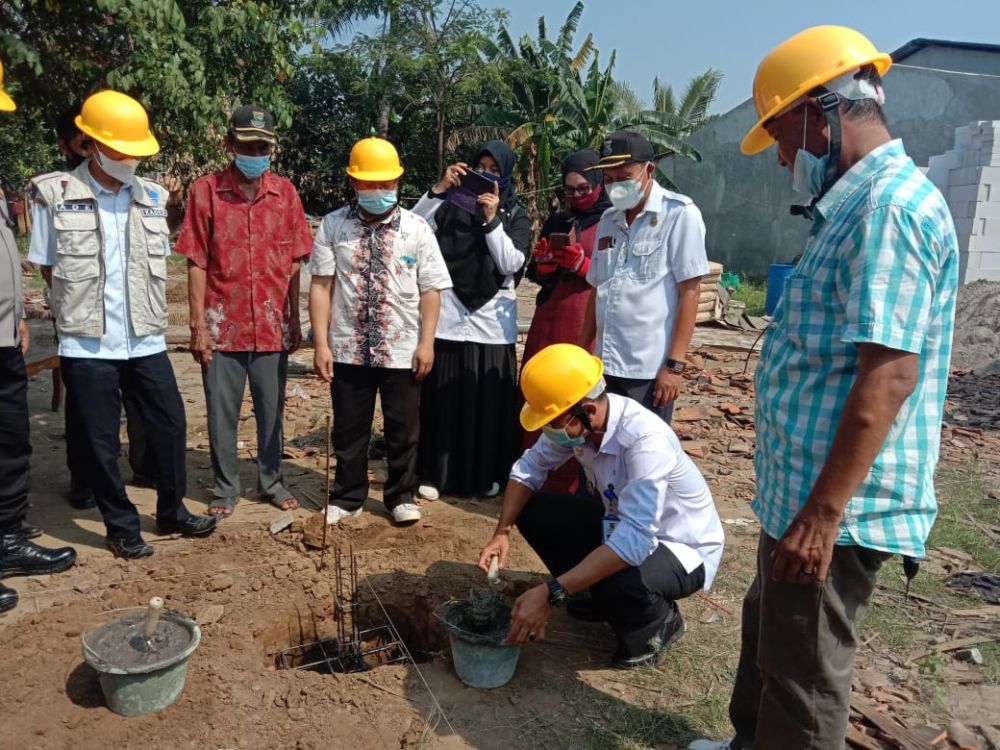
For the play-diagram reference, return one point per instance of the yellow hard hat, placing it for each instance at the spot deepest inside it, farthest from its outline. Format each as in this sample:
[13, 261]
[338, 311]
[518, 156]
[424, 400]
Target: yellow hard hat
[799, 64]
[6, 103]
[119, 122]
[374, 160]
[554, 380]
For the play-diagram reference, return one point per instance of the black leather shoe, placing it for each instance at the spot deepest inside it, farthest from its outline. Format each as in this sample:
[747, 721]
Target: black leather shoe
[583, 607]
[671, 630]
[82, 499]
[19, 557]
[8, 598]
[128, 549]
[31, 531]
[192, 526]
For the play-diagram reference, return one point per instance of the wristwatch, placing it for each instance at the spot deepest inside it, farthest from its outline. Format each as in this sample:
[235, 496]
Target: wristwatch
[557, 594]
[676, 365]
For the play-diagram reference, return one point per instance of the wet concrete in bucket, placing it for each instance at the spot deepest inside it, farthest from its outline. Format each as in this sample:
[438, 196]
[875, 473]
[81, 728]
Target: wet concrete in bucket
[119, 644]
[482, 618]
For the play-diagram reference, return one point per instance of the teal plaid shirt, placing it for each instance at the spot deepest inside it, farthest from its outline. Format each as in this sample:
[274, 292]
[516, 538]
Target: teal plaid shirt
[880, 267]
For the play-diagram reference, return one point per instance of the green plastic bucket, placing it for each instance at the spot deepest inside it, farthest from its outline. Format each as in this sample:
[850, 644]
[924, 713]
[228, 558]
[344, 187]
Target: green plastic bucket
[136, 681]
[482, 665]
[481, 660]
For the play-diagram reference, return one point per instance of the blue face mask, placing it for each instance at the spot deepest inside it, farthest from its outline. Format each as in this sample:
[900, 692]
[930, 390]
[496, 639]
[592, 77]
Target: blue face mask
[561, 437]
[809, 170]
[252, 167]
[377, 202]
[809, 173]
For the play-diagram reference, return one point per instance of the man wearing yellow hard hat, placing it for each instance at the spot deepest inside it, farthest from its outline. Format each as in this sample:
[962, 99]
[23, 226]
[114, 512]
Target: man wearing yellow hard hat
[100, 232]
[850, 387]
[18, 556]
[377, 276]
[644, 534]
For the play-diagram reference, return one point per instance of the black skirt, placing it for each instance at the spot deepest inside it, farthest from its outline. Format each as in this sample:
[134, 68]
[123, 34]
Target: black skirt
[468, 417]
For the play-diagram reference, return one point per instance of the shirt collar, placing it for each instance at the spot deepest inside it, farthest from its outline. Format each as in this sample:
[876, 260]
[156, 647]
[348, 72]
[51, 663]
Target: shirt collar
[391, 219]
[616, 408]
[227, 183]
[855, 178]
[98, 189]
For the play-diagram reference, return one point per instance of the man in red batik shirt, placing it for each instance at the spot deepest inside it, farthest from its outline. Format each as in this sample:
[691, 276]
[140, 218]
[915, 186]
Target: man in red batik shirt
[245, 236]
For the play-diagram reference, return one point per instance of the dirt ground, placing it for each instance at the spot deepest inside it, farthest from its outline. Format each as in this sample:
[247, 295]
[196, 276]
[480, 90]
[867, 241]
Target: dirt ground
[274, 594]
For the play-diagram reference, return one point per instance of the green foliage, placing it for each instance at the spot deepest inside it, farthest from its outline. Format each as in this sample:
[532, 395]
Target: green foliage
[188, 61]
[437, 77]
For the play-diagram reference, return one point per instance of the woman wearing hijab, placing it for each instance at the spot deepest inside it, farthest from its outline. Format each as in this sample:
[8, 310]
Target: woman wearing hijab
[561, 271]
[468, 422]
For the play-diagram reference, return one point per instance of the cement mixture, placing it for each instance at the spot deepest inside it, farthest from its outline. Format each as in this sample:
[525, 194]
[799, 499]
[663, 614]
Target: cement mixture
[977, 325]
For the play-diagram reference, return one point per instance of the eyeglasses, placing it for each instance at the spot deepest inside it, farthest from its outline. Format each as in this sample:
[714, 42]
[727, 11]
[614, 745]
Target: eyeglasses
[583, 190]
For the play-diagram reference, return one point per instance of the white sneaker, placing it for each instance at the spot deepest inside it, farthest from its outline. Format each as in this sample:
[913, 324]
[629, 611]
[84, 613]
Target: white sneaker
[710, 745]
[428, 492]
[494, 490]
[406, 513]
[336, 514]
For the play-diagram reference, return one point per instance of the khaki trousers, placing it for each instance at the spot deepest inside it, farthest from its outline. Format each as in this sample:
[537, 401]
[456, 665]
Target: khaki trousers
[793, 687]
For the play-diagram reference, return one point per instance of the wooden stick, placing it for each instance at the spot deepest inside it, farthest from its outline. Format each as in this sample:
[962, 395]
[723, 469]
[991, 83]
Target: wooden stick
[942, 648]
[899, 735]
[713, 603]
[326, 505]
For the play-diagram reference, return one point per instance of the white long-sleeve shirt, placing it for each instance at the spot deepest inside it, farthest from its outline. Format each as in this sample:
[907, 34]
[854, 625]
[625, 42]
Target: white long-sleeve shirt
[496, 321]
[662, 497]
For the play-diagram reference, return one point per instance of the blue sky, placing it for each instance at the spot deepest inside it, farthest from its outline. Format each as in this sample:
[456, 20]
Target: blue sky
[677, 40]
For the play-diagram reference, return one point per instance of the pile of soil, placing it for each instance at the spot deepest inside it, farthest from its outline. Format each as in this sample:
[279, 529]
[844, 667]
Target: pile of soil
[977, 325]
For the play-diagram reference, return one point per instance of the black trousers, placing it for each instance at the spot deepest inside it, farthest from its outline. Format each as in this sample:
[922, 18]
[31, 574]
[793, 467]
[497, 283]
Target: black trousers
[641, 391]
[353, 391]
[15, 444]
[564, 529]
[94, 391]
[140, 459]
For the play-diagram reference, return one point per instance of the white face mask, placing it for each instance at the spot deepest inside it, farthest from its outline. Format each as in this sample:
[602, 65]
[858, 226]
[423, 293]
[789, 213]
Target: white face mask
[123, 170]
[626, 194]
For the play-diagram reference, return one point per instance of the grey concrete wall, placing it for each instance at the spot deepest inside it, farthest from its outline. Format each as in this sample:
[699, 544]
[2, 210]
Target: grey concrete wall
[745, 200]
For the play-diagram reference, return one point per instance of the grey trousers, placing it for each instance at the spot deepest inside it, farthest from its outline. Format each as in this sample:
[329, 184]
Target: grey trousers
[225, 382]
[793, 687]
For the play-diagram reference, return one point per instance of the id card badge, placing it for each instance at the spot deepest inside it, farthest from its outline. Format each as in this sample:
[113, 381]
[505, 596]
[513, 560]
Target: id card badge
[608, 525]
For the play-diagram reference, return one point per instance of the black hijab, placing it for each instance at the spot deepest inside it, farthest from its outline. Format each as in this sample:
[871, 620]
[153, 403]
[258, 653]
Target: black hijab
[462, 238]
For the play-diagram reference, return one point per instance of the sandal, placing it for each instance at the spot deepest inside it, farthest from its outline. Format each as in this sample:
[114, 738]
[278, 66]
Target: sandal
[288, 503]
[222, 507]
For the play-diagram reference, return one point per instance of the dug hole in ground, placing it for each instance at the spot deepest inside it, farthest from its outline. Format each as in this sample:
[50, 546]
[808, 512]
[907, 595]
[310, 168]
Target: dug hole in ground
[256, 594]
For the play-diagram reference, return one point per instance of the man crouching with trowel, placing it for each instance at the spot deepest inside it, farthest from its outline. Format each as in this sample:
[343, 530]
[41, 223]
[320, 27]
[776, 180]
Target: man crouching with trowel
[644, 532]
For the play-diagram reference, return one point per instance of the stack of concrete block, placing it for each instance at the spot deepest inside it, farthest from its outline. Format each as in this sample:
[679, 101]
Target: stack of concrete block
[969, 177]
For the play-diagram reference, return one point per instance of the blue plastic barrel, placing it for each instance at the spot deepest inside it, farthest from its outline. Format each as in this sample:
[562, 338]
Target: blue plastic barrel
[776, 275]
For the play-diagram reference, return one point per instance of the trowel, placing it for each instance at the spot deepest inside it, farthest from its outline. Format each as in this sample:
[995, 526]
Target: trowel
[152, 620]
[493, 576]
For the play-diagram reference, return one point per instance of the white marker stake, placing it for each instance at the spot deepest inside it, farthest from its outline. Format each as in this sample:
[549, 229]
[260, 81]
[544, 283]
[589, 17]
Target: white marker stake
[494, 574]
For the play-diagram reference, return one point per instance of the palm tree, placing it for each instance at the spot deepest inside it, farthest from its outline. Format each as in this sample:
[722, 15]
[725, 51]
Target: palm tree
[525, 113]
[694, 105]
[593, 107]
